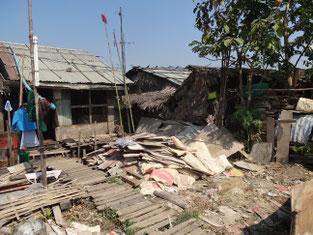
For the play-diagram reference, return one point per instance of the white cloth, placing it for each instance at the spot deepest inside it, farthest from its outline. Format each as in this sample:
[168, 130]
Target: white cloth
[29, 139]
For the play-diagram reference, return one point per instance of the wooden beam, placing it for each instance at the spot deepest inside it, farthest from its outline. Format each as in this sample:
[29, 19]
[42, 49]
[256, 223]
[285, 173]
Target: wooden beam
[90, 109]
[87, 106]
[283, 137]
[270, 135]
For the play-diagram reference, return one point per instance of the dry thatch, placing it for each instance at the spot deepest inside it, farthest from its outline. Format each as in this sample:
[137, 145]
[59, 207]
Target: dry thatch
[153, 100]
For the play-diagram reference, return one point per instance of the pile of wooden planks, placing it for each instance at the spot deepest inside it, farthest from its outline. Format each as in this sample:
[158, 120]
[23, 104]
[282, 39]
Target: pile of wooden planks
[56, 193]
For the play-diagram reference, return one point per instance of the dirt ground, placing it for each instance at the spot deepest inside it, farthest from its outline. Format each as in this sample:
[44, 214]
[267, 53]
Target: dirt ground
[256, 203]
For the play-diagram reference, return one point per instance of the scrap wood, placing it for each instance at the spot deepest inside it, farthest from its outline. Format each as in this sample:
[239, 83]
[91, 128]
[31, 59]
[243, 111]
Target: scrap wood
[134, 182]
[131, 155]
[248, 166]
[150, 144]
[301, 206]
[133, 174]
[106, 164]
[58, 215]
[28, 204]
[171, 197]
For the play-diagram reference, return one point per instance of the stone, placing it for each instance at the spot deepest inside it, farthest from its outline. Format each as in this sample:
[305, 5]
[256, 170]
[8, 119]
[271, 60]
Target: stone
[262, 152]
[66, 205]
[31, 227]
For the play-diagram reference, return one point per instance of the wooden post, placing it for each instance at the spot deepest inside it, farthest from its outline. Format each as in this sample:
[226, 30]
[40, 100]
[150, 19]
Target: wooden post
[89, 107]
[95, 134]
[283, 137]
[2, 123]
[10, 140]
[270, 128]
[78, 145]
[40, 135]
[21, 84]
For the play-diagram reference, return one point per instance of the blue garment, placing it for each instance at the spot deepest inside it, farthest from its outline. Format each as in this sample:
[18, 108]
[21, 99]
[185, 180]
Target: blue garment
[20, 121]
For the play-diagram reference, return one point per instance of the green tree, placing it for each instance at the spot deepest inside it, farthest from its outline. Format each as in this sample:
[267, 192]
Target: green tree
[257, 33]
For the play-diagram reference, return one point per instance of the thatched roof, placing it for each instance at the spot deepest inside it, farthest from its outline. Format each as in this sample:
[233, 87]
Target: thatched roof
[153, 100]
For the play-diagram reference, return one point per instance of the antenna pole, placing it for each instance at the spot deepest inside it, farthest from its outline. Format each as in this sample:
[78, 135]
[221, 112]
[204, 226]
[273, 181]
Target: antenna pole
[124, 72]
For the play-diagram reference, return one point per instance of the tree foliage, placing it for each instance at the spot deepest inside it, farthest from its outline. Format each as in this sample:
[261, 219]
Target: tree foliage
[259, 33]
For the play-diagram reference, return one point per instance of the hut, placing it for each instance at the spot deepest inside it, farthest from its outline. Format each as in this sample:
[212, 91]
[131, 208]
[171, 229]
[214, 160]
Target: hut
[152, 87]
[79, 84]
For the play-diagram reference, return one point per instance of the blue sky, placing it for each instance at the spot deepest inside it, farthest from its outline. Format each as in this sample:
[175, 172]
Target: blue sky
[161, 30]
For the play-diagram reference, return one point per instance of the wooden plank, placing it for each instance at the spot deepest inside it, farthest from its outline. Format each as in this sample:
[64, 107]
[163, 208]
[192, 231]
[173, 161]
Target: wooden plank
[171, 197]
[198, 231]
[152, 220]
[283, 137]
[270, 128]
[131, 155]
[58, 215]
[93, 181]
[101, 187]
[135, 199]
[134, 182]
[133, 174]
[140, 212]
[126, 202]
[189, 228]
[134, 208]
[115, 198]
[153, 229]
[179, 227]
[111, 192]
[148, 215]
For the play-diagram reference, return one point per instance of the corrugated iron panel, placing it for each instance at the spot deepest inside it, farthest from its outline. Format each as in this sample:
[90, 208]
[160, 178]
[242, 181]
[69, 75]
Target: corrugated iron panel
[53, 62]
[301, 130]
[175, 75]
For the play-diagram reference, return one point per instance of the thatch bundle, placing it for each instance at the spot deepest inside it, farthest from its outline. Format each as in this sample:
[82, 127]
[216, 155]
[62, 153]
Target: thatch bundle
[153, 100]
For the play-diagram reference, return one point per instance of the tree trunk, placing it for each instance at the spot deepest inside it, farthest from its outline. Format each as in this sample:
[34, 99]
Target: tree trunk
[250, 83]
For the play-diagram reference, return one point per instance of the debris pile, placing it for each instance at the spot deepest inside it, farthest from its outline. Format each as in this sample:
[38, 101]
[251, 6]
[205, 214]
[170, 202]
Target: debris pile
[156, 161]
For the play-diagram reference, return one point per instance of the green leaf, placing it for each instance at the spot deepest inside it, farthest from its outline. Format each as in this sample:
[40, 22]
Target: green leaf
[212, 96]
[240, 41]
[228, 41]
[276, 26]
[226, 28]
[280, 31]
[206, 38]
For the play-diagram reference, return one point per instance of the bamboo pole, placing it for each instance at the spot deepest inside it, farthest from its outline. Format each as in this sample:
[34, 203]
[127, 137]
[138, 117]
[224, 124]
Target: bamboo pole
[123, 66]
[11, 153]
[39, 131]
[21, 84]
[113, 72]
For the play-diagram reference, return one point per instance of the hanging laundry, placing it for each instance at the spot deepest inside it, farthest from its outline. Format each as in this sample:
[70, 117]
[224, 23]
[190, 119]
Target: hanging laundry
[20, 121]
[29, 139]
[44, 109]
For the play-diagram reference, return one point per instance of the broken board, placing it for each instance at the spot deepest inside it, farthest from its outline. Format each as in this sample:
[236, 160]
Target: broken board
[148, 125]
[219, 141]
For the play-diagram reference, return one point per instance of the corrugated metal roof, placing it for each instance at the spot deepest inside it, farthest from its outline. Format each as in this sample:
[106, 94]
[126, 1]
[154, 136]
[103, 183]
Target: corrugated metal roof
[301, 130]
[53, 63]
[177, 75]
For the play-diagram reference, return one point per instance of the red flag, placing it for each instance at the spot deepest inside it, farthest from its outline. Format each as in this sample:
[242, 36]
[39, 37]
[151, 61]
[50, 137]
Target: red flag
[104, 19]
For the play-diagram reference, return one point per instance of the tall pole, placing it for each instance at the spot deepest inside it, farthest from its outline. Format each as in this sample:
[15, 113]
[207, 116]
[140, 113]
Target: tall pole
[113, 73]
[38, 123]
[124, 72]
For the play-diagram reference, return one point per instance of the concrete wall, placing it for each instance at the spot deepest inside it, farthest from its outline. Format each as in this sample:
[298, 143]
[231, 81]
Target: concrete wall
[86, 130]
